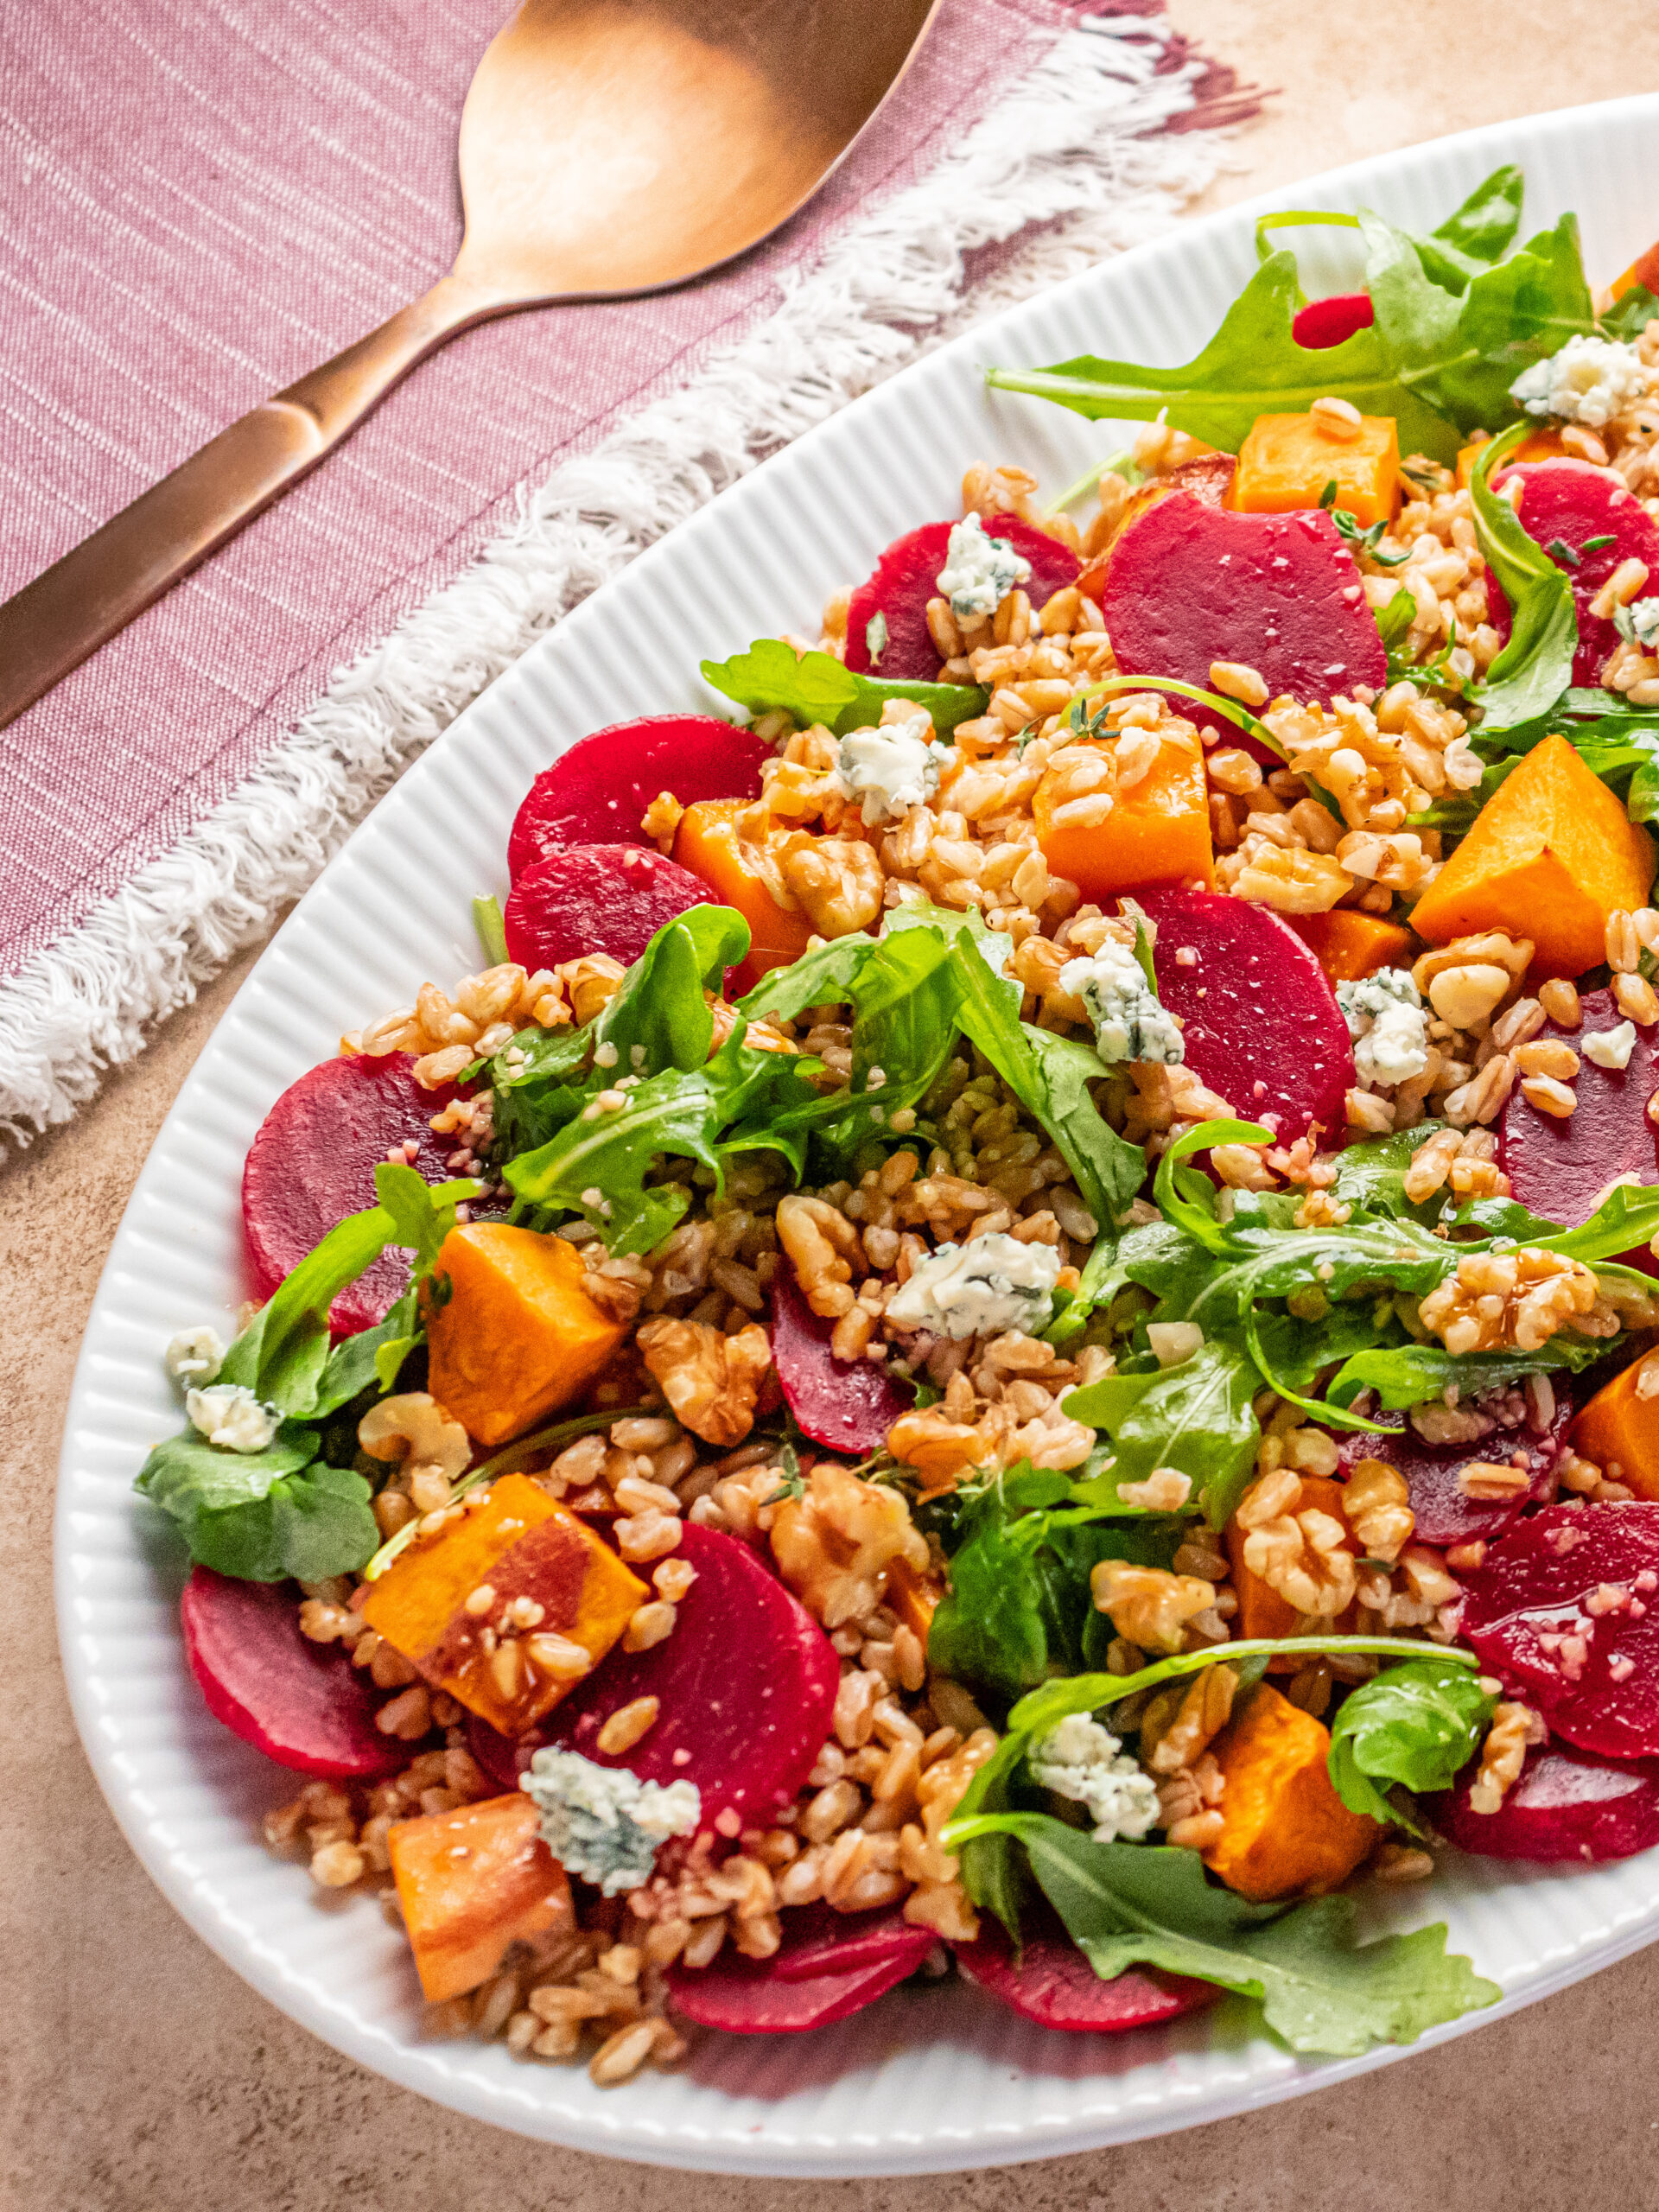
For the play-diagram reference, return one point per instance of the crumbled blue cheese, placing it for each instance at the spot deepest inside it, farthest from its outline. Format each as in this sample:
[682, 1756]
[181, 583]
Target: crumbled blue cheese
[979, 572]
[978, 1289]
[1589, 381]
[1129, 1023]
[196, 1355]
[1081, 1760]
[603, 1822]
[892, 768]
[1609, 1048]
[1644, 622]
[1389, 1027]
[875, 637]
[229, 1414]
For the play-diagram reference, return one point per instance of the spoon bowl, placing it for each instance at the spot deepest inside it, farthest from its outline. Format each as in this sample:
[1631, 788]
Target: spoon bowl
[608, 148]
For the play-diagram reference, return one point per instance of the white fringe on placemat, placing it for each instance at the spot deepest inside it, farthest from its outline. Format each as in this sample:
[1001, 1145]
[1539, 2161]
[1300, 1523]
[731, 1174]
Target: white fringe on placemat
[1067, 149]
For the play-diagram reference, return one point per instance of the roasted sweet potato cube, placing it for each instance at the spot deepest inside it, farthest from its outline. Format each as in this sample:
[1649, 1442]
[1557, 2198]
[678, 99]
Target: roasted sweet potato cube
[1156, 836]
[1348, 944]
[472, 1882]
[709, 843]
[1540, 445]
[1263, 1612]
[1619, 1428]
[1285, 1828]
[518, 1335]
[1550, 857]
[1286, 461]
[448, 1603]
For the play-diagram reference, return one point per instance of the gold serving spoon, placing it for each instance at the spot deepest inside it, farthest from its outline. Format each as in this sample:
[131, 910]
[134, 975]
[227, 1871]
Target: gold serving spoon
[607, 147]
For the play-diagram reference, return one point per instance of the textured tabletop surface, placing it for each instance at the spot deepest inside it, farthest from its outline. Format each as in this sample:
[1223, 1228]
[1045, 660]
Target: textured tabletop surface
[137, 2074]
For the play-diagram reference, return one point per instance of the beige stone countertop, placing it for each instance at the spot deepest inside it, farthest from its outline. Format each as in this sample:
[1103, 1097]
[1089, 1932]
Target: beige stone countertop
[137, 2074]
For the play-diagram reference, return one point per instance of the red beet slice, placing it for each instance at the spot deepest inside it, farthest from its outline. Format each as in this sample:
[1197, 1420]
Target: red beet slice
[1262, 1024]
[1571, 501]
[746, 1685]
[595, 898]
[849, 1405]
[1560, 1169]
[822, 1940]
[906, 577]
[597, 792]
[302, 1704]
[1565, 1806]
[1329, 322]
[1563, 1609]
[313, 1162]
[1445, 1513]
[758, 1997]
[1188, 584]
[1055, 1985]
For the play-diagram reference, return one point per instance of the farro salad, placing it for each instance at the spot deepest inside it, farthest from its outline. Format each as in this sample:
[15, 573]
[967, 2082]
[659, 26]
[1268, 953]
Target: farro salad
[1012, 1331]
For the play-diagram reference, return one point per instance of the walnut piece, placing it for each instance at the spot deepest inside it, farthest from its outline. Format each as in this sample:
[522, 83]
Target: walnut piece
[711, 1381]
[1520, 1298]
[1146, 1606]
[835, 1544]
[1298, 1551]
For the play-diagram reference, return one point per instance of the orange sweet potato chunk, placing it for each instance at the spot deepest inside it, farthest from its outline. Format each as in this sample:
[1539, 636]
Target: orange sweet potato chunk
[1156, 837]
[1540, 445]
[708, 842]
[1620, 1428]
[519, 1544]
[1349, 945]
[1286, 460]
[1644, 270]
[471, 1883]
[1261, 1610]
[914, 1597]
[1285, 1828]
[1550, 855]
[518, 1335]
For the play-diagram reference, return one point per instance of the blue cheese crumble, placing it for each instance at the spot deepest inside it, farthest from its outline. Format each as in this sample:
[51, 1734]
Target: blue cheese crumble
[229, 1414]
[1589, 381]
[979, 572]
[1644, 623]
[603, 1822]
[1129, 1023]
[892, 768]
[1389, 1025]
[1081, 1760]
[994, 1284]
[196, 1355]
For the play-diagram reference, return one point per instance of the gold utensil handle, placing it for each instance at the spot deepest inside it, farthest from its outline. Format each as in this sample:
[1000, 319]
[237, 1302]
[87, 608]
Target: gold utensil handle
[66, 613]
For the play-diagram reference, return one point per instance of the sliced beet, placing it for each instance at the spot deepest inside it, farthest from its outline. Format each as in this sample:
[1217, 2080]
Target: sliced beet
[1567, 1805]
[822, 1942]
[849, 1405]
[1188, 584]
[1560, 1169]
[1563, 1610]
[906, 577]
[1566, 502]
[1330, 322]
[746, 1685]
[1443, 1510]
[758, 1997]
[302, 1704]
[597, 792]
[1262, 1024]
[1054, 1984]
[595, 898]
[313, 1162]
[1209, 477]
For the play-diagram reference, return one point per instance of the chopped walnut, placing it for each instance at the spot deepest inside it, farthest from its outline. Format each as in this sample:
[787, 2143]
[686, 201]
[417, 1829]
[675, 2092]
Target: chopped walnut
[823, 1248]
[839, 882]
[1299, 1551]
[836, 1545]
[1148, 1605]
[1520, 1298]
[1180, 1724]
[1375, 1505]
[710, 1380]
[1504, 1754]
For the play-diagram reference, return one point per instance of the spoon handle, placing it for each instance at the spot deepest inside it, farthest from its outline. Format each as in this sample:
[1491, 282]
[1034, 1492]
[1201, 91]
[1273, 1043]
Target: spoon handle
[71, 608]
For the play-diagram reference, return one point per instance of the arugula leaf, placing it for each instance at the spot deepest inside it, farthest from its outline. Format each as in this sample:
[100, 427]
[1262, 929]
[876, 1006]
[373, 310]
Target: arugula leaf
[1536, 666]
[1416, 1726]
[263, 1516]
[1253, 365]
[1630, 313]
[492, 930]
[538, 1083]
[1411, 1374]
[1476, 234]
[817, 688]
[1128, 1904]
[372, 1358]
[660, 1011]
[1195, 1417]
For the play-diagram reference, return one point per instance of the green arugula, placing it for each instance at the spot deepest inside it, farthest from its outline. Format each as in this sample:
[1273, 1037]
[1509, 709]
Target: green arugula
[492, 930]
[1413, 1727]
[1128, 1904]
[1195, 1417]
[1536, 666]
[1403, 1375]
[815, 687]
